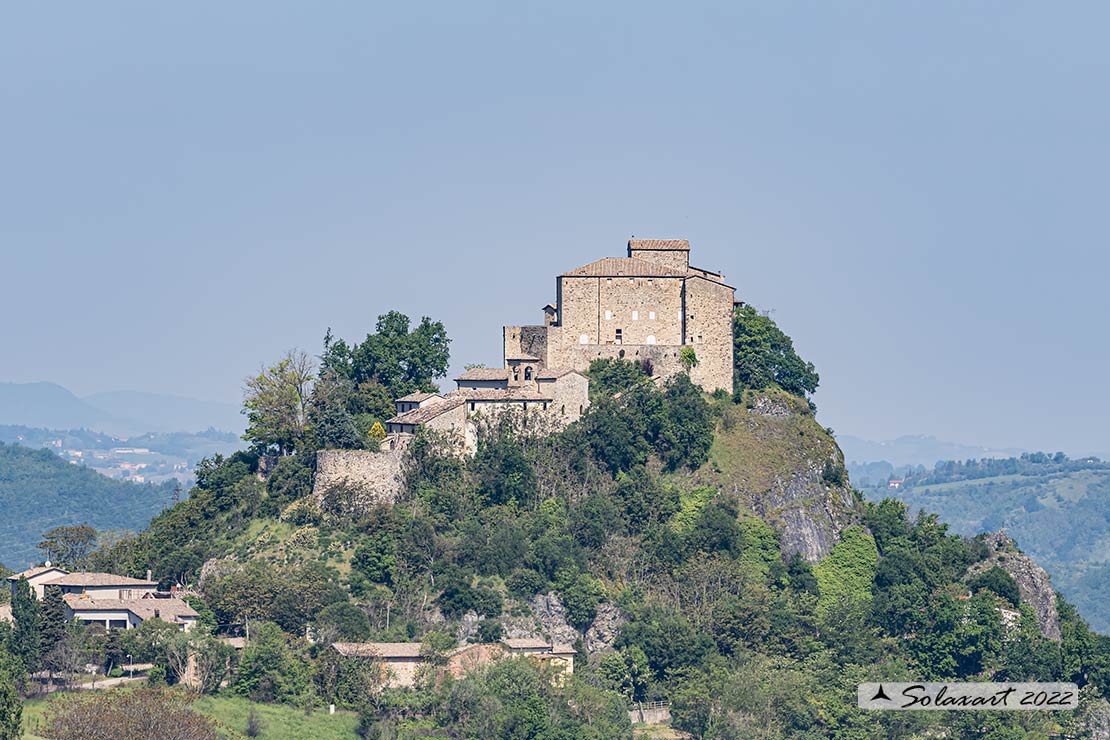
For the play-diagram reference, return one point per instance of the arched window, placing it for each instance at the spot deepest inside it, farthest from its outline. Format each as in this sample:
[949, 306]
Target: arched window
[528, 373]
[650, 339]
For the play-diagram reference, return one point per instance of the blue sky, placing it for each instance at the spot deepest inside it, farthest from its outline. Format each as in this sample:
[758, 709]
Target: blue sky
[918, 190]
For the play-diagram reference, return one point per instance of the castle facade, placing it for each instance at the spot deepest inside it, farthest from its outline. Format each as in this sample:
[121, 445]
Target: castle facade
[645, 307]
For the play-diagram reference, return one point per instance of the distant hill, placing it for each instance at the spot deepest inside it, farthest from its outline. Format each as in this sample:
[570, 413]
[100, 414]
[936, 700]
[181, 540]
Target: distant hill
[48, 405]
[914, 450]
[162, 413]
[120, 413]
[39, 490]
[1058, 511]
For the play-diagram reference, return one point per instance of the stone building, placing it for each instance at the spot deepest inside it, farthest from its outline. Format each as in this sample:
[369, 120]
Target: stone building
[645, 307]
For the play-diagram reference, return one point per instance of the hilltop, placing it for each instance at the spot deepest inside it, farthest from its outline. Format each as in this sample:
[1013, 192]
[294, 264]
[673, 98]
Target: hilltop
[705, 550]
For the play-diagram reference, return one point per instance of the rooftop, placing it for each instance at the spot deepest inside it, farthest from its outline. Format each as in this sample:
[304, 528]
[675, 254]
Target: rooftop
[527, 643]
[485, 373]
[660, 244]
[168, 610]
[99, 579]
[417, 397]
[32, 572]
[553, 373]
[623, 267]
[378, 649]
[426, 413]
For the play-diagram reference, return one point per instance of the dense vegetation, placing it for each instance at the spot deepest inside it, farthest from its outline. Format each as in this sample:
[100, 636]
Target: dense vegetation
[643, 508]
[1056, 508]
[39, 491]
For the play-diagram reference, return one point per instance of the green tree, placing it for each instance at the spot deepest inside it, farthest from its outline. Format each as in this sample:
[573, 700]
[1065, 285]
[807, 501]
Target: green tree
[764, 356]
[11, 706]
[269, 671]
[52, 619]
[610, 375]
[26, 637]
[329, 413]
[626, 671]
[401, 360]
[68, 547]
[276, 404]
[999, 582]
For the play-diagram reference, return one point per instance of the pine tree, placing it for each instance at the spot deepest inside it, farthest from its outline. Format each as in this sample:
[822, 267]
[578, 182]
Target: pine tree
[52, 619]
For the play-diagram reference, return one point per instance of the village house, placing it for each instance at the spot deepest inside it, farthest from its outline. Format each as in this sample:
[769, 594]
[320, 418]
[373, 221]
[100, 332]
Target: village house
[117, 602]
[561, 395]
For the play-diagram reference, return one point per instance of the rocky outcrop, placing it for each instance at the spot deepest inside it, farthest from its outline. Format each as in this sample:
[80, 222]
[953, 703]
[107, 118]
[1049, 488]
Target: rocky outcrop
[773, 455]
[1032, 581]
[602, 634]
[547, 619]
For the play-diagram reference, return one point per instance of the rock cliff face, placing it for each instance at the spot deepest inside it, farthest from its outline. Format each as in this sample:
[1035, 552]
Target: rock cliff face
[777, 459]
[1032, 581]
[547, 618]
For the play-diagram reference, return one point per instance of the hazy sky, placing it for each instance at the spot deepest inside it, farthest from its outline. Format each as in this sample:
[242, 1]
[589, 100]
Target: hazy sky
[918, 190]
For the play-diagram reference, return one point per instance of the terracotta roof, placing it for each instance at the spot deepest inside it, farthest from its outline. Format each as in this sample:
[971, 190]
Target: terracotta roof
[235, 642]
[552, 373]
[683, 244]
[425, 414]
[32, 572]
[417, 397]
[499, 394]
[485, 373]
[552, 306]
[168, 610]
[99, 579]
[519, 356]
[563, 650]
[527, 643]
[378, 649]
[623, 267]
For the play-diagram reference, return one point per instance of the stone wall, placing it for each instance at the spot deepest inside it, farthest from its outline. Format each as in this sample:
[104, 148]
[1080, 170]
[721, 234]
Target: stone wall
[373, 477]
[708, 308]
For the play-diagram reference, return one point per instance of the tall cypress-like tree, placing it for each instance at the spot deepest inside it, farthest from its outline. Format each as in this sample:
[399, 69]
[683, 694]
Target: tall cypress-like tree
[52, 620]
[26, 643]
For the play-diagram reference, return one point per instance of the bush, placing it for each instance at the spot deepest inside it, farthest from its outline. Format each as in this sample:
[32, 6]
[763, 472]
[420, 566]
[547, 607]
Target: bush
[142, 713]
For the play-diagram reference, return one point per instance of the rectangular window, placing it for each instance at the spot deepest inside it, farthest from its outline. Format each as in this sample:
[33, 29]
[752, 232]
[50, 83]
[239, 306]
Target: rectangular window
[651, 315]
[635, 315]
[608, 315]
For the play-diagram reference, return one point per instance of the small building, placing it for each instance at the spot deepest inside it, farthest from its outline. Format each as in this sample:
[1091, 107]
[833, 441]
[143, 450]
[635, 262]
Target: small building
[37, 578]
[400, 659]
[104, 586]
[129, 613]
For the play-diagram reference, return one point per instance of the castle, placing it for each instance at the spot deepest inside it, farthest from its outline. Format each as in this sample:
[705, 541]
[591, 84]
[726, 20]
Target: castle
[646, 307]
[650, 307]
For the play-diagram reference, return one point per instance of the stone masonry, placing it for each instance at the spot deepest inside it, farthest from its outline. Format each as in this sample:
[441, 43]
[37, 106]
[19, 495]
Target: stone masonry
[645, 307]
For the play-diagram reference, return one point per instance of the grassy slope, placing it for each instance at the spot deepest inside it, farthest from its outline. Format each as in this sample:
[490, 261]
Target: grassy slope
[279, 722]
[774, 462]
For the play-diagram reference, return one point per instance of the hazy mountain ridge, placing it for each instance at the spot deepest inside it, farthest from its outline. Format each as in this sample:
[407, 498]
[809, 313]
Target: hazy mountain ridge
[915, 449]
[119, 413]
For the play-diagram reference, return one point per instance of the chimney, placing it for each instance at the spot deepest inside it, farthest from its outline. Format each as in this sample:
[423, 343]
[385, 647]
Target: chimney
[148, 574]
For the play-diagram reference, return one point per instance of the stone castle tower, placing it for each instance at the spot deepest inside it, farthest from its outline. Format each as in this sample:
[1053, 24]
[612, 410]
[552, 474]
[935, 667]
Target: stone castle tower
[645, 307]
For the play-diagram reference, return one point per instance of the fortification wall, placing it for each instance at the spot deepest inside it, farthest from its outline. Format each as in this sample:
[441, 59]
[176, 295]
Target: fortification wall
[709, 330]
[373, 477]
